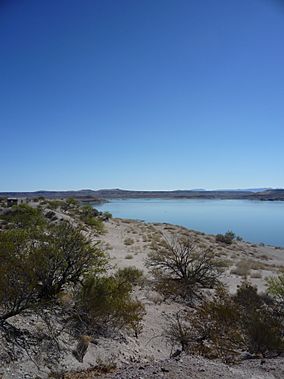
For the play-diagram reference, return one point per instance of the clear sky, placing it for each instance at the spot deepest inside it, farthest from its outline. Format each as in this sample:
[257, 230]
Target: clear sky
[141, 94]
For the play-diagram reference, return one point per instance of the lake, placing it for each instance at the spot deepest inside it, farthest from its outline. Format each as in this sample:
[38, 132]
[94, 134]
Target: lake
[254, 221]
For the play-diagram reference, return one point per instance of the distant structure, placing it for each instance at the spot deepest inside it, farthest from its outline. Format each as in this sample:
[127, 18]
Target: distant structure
[16, 201]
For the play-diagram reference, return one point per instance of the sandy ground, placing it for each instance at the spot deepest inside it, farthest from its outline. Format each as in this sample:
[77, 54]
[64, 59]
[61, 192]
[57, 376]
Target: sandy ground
[128, 244]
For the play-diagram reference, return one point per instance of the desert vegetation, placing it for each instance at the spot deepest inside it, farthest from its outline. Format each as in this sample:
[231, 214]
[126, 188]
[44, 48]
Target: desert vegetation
[226, 238]
[159, 287]
[50, 268]
[226, 325]
[181, 269]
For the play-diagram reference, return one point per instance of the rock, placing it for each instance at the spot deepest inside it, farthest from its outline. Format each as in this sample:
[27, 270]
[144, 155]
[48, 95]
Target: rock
[176, 353]
[246, 355]
[163, 369]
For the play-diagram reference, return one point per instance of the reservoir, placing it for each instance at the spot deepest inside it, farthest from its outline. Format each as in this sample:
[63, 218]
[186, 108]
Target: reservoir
[254, 221]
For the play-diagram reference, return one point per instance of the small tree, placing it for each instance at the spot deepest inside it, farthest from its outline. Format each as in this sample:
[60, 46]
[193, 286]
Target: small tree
[181, 269]
[64, 255]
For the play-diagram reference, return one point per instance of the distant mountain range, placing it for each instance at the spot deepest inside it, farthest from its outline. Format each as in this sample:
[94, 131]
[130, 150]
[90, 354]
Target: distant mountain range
[105, 194]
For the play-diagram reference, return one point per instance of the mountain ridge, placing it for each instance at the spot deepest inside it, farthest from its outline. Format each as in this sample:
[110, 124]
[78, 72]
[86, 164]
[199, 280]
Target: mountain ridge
[105, 194]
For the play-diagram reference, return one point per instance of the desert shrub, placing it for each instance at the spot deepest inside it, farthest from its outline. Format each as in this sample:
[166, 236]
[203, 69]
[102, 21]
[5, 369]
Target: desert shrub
[241, 269]
[129, 256]
[225, 325]
[105, 303]
[261, 323]
[178, 331]
[87, 210]
[64, 255]
[105, 216]
[226, 238]
[130, 274]
[95, 223]
[276, 288]
[181, 269]
[35, 266]
[128, 241]
[54, 204]
[244, 267]
[89, 216]
[72, 202]
[215, 326]
[24, 216]
[18, 281]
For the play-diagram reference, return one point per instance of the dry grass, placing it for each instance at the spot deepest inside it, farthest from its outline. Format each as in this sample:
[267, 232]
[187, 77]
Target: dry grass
[129, 256]
[129, 241]
[256, 275]
[244, 267]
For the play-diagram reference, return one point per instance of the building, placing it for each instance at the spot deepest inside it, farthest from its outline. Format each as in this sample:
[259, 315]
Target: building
[16, 201]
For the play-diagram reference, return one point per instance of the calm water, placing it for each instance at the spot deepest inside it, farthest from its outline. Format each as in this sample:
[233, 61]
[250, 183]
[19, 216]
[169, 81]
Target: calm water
[255, 221]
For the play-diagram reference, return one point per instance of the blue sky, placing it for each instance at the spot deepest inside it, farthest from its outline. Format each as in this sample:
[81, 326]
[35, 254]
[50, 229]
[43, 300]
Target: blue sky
[141, 94]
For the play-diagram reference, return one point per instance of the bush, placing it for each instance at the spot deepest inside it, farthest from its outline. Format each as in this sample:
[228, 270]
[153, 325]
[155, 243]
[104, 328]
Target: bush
[276, 288]
[261, 323]
[128, 241]
[71, 202]
[64, 255]
[18, 282]
[178, 332]
[131, 274]
[54, 204]
[226, 325]
[36, 266]
[89, 217]
[24, 216]
[105, 303]
[226, 238]
[106, 216]
[181, 269]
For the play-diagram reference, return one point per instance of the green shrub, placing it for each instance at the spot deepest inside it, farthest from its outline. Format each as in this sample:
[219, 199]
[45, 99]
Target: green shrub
[87, 210]
[36, 266]
[64, 255]
[276, 288]
[226, 238]
[128, 241]
[18, 281]
[95, 223]
[24, 216]
[131, 275]
[226, 325]
[262, 326]
[72, 202]
[105, 303]
[106, 216]
[89, 216]
[54, 204]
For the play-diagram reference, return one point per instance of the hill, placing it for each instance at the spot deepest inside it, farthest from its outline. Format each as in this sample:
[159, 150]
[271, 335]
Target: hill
[89, 195]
